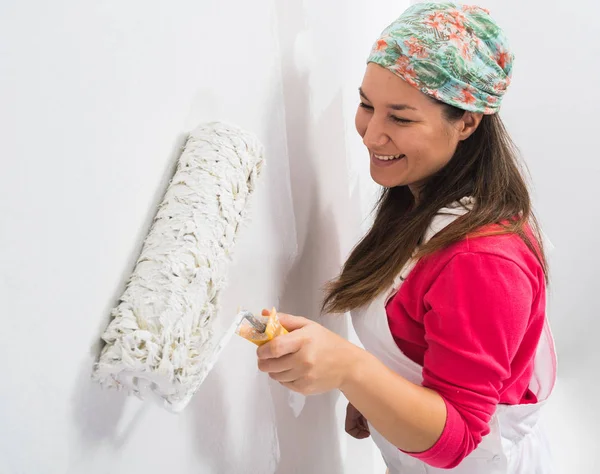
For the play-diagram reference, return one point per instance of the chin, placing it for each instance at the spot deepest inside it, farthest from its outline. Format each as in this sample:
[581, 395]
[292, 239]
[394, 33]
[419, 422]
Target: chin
[385, 180]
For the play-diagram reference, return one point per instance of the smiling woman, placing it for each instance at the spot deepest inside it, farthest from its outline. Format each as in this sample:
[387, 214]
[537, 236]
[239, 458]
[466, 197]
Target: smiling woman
[447, 289]
[406, 132]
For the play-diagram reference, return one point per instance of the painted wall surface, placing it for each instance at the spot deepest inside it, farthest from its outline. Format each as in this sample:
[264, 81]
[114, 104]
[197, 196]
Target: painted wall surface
[96, 100]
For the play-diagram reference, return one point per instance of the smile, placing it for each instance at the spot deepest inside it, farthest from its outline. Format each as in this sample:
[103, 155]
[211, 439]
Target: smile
[387, 157]
[385, 160]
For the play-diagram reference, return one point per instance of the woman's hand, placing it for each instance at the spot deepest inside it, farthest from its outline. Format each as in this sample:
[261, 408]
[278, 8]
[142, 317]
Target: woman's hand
[356, 424]
[310, 359]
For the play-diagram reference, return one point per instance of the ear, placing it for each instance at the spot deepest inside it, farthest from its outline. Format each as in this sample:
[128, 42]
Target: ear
[468, 124]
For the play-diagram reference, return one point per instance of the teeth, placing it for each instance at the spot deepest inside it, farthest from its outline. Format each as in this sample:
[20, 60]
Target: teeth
[386, 158]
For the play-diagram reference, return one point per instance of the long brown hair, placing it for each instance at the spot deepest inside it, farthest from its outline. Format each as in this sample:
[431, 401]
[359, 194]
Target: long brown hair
[484, 166]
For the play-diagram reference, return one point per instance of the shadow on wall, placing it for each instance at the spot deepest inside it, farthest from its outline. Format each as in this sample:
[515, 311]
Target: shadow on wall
[309, 443]
[234, 432]
[161, 189]
[97, 412]
[211, 428]
[317, 429]
[231, 416]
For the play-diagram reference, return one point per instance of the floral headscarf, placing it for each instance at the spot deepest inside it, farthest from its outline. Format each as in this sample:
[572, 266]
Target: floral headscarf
[454, 53]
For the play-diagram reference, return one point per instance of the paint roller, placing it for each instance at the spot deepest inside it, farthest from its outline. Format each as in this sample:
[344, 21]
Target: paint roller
[160, 338]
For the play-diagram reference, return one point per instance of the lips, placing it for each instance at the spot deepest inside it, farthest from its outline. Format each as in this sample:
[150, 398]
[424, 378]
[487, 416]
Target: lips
[387, 157]
[385, 160]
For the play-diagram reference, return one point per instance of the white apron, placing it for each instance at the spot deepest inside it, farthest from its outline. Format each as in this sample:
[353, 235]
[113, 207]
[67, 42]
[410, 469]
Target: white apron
[515, 444]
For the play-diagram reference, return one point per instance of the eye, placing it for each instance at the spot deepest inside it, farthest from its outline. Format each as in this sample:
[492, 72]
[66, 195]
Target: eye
[392, 117]
[400, 120]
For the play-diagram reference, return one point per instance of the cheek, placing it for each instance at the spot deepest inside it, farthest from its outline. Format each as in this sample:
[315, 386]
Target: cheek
[442, 149]
[434, 147]
[428, 150]
[411, 141]
[361, 121]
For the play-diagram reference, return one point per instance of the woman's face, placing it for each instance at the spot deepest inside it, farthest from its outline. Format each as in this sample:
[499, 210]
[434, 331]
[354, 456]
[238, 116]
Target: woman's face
[407, 135]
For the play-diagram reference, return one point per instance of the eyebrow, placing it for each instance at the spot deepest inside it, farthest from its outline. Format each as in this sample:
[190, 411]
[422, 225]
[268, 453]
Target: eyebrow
[391, 106]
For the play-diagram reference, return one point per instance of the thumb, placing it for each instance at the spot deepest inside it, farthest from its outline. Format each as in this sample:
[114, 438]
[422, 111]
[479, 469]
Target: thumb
[291, 323]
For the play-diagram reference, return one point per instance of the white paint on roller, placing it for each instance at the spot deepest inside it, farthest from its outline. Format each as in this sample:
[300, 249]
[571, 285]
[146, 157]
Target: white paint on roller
[161, 336]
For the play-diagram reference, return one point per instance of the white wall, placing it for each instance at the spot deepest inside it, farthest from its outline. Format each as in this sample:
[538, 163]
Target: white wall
[96, 100]
[324, 47]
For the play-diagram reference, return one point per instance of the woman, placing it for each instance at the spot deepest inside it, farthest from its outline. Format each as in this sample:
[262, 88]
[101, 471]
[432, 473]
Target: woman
[447, 289]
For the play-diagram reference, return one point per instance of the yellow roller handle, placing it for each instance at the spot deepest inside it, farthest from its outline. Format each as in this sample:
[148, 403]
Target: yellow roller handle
[274, 329]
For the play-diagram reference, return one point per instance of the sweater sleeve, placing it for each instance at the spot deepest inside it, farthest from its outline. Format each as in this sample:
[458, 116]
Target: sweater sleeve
[477, 312]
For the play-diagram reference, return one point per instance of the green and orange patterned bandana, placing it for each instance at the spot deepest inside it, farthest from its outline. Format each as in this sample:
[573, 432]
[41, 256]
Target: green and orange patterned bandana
[454, 53]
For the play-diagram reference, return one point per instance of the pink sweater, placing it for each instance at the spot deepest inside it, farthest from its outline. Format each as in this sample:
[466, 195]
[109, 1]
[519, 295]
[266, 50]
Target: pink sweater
[472, 316]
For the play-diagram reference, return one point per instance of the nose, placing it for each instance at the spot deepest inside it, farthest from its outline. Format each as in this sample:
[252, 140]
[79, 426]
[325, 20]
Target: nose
[375, 136]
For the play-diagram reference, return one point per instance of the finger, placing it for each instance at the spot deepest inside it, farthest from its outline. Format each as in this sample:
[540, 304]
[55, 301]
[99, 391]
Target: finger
[281, 346]
[359, 434]
[287, 376]
[355, 431]
[350, 422]
[277, 365]
[292, 323]
[362, 423]
[288, 321]
[352, 412]
[357, 427]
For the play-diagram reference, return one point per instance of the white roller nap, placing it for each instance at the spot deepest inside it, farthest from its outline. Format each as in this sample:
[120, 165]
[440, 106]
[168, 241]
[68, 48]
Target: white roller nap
[160, 337]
